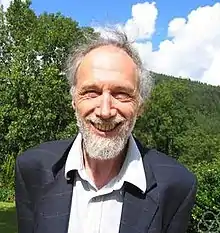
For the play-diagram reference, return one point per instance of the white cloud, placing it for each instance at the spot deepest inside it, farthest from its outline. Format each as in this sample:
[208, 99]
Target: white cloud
[212, 75]
[5, 3]
[140, 26]
[142, 23]
[175, 26]
[192, 46]
[145, 51]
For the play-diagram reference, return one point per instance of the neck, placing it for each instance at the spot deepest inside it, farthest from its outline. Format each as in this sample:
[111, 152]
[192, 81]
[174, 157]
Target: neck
[102, 171]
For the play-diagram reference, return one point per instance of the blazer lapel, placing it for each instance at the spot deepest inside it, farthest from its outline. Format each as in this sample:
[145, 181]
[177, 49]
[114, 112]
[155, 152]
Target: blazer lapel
[139, 208]
[137, 213]
[54, 206]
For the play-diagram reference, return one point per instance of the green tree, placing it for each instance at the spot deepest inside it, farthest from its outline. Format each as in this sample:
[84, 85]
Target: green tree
[35, 101]
[166, 117]
[206, 217]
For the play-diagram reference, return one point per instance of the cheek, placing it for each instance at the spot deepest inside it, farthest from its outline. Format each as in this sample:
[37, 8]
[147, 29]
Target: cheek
[85, 107]
[129, 111]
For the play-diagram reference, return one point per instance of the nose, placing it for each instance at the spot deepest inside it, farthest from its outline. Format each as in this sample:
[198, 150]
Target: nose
[105, 109]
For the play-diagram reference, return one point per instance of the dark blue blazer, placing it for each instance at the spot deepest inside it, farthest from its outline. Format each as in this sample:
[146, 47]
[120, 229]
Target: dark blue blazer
[43, 195]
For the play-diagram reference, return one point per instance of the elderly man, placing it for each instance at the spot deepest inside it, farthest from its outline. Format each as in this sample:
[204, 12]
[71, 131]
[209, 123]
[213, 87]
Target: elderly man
[103, 180]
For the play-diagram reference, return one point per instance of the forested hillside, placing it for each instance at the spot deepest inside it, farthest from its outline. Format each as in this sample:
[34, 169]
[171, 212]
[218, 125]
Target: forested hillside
[180, 115]
[182, 118]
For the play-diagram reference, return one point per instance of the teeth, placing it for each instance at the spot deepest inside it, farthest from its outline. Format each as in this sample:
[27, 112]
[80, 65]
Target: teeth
[105, 127]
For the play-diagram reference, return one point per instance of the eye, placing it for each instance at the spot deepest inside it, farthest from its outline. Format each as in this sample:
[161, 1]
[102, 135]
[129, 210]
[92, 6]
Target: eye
[91, 94]
[121, 96]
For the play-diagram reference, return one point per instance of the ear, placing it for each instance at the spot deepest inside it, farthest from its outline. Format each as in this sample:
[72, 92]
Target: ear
[73, 104]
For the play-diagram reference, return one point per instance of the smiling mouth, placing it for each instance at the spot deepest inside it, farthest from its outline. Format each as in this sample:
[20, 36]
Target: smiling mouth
[105, 127]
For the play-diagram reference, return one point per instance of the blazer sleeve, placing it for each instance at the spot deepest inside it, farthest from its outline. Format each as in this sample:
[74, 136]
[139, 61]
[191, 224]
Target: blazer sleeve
[24, 205]
[180, 221]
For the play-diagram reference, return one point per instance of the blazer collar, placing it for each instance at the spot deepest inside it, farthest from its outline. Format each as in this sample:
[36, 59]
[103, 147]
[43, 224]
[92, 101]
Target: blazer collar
[62, 157]
[136, 206]
[139, 206]
[151, 181]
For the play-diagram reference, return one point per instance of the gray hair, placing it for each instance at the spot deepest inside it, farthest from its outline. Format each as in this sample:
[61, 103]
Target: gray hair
[115, 38]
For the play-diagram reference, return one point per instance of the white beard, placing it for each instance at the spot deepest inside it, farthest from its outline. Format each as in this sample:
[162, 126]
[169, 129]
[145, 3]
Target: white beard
[102, 148]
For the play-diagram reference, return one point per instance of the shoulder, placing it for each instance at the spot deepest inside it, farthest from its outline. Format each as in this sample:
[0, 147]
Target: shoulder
[170, 173]
[43, 154]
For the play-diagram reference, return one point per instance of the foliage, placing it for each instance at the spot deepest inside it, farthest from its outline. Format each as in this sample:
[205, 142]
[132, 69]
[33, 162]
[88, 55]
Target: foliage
[35, 102]
[7, 176]
[174, 123]
[182, 118]
[6, 194]
[206, 217]
[167, 116]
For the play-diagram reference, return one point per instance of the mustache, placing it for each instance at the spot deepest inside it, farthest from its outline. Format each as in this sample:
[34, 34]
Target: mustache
[96, 120]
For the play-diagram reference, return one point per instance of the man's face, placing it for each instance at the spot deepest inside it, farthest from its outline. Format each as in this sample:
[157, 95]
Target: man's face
[106, 101]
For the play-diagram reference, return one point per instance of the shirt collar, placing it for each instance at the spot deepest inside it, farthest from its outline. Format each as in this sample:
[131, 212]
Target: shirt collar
[75, 157]
[132, 170]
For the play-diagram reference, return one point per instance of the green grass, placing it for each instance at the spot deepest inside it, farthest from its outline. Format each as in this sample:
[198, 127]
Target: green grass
[7, 218]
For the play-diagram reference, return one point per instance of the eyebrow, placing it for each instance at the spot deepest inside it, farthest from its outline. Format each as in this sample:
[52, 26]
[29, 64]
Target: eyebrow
[125, 89]
[89, 87]
[115, 88]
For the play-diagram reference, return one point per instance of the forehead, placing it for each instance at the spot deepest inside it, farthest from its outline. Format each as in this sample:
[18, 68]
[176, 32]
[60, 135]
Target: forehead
[107, 62]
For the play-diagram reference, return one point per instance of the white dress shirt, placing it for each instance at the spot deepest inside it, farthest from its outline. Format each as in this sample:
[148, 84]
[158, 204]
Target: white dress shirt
[99, 210]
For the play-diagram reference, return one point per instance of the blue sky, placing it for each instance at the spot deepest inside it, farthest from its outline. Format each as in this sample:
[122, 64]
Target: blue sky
[175, 37]
[87, 12]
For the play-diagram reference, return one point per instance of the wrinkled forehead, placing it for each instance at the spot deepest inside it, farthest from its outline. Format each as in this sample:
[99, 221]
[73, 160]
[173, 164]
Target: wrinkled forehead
[108, 58]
